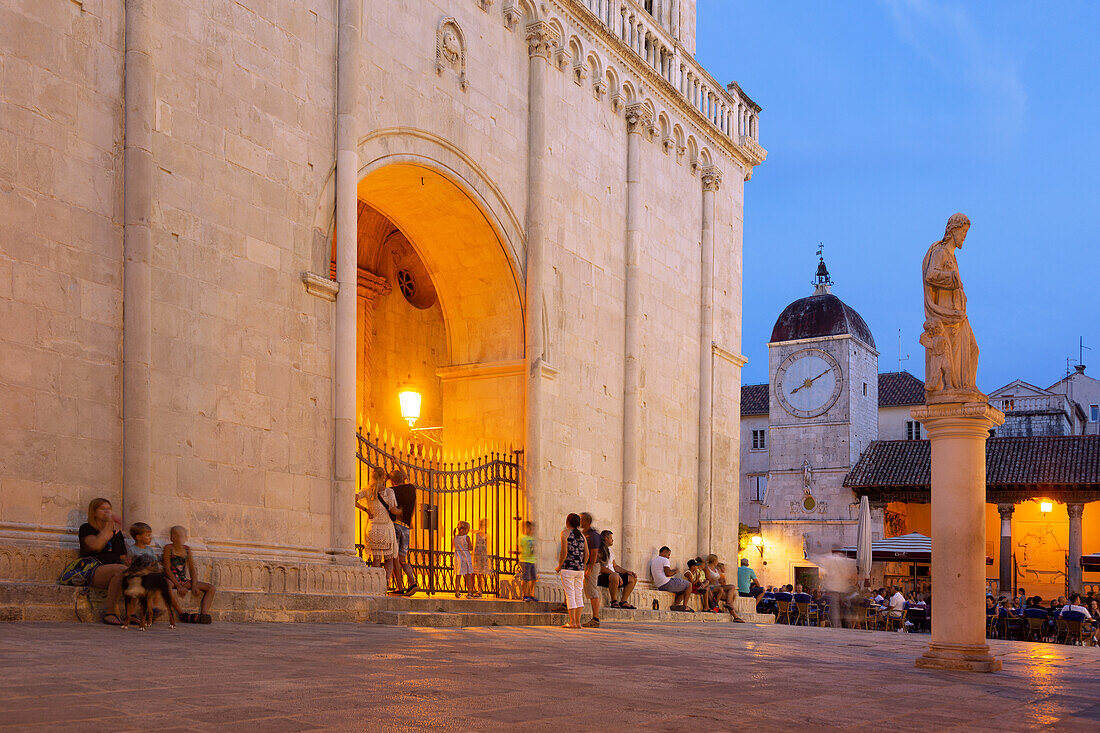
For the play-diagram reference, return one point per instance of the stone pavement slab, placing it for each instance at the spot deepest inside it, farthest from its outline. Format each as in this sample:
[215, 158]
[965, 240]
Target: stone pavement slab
[290, 677]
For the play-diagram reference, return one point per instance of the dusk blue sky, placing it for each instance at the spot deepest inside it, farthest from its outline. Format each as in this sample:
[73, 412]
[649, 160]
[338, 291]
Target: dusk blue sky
[881, 119]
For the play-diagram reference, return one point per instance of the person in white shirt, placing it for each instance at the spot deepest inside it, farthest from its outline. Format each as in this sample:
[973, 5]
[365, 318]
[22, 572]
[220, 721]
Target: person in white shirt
[897, 601]
[1075, 605]
[664, 578]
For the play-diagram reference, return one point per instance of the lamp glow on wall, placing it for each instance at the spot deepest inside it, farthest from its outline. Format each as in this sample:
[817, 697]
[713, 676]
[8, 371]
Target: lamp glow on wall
[1046, 507]
[410, 405]
[758, 543]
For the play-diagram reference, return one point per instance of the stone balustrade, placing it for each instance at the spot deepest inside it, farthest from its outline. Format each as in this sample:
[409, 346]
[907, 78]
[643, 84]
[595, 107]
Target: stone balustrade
[1042, 403]
[728, 108]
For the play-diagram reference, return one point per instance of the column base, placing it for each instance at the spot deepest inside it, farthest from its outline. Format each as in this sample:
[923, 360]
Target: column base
[959, 658]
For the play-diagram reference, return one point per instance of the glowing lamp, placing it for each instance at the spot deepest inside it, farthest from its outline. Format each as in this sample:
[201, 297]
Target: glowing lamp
[1045, 507]
[410, 406]
[758, 543]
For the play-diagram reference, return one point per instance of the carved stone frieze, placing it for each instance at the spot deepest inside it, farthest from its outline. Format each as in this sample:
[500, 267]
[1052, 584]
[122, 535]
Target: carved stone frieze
[450, 50]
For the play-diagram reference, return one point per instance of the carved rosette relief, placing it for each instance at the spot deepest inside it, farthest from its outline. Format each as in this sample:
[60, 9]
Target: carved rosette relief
[712, 181]
[450, 50]
[542, 40]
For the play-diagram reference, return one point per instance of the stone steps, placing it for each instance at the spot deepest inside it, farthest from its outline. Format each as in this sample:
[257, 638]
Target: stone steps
[452, 619]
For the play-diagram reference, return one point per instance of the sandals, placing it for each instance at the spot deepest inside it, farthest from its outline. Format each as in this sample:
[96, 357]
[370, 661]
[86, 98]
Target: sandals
[204, 618]
[627, 607]
[117, 621]
[189, 618]
[616, 604]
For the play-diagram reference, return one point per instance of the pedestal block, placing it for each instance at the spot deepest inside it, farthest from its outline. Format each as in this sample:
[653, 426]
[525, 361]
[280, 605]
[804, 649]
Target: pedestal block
[957, 432]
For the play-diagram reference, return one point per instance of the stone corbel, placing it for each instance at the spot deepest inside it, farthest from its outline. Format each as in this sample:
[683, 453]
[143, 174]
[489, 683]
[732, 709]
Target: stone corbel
[485, 4]
[580, 72]
[512, 14]
[680, 150]
[562, 57]
[618, 101]
[667, 144]
[599, 89]
[320, 286]
[368, 285]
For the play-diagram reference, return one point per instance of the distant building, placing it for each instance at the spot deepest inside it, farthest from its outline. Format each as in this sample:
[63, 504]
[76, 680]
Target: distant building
[827, 429]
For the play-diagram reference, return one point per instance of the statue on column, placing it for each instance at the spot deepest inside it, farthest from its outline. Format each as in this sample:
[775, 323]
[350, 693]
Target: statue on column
[951, 352]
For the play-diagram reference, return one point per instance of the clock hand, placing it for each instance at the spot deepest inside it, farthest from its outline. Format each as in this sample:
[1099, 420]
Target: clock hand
[808, 382]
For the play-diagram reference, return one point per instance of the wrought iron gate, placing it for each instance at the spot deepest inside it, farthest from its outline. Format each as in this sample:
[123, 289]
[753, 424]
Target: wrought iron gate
[487, 487]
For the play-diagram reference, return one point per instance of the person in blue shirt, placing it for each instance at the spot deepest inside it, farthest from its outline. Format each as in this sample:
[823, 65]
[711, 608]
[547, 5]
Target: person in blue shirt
[745, 576]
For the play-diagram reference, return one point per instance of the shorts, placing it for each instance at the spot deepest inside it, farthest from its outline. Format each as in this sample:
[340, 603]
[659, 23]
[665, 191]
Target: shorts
[571, 582]
[527, 571]
[675, 585]
[591, 584]
[605, 578]
[402, 532]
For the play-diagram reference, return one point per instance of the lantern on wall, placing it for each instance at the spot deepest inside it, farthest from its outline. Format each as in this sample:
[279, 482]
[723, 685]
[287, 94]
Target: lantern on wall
[410, 405]
[1046, 507]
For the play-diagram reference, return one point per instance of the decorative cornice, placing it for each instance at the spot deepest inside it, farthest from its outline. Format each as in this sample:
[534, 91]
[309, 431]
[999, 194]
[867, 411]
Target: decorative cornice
[368, 285]
[542, 40]
[736, 359]
[712, 178]
[486, 370]
[670, 95]
[320, 286]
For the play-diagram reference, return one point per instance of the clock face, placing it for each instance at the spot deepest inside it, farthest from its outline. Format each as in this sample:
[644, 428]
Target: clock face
[808, 382]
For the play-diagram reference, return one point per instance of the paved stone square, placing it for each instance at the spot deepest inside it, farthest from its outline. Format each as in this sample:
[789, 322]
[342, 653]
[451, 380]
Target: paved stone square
[283, 677]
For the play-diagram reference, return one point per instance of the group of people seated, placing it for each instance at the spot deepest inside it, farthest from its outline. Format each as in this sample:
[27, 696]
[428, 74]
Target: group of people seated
[1008, 617]
[105, 556]
[704, 578]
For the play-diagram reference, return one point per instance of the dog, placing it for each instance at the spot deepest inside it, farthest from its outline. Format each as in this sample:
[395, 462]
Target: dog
[142, 582]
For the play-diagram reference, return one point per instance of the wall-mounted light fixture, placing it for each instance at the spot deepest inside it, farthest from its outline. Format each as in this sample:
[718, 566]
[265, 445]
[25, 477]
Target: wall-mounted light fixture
[410, 405]
[758, 543]
[1046, 507]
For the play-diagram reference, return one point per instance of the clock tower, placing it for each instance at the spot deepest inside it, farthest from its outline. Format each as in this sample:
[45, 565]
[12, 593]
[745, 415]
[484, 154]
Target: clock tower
[822, 414]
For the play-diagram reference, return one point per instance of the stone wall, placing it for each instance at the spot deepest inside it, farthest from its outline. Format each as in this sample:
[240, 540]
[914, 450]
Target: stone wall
[241, 363]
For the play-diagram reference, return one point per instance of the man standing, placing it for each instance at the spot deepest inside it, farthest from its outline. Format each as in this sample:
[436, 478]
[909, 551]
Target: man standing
[745, 576]
[664, 578]
[403, 513]
[591, 570]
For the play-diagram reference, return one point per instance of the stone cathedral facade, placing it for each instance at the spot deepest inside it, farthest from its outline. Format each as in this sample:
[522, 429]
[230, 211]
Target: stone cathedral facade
[233, 231]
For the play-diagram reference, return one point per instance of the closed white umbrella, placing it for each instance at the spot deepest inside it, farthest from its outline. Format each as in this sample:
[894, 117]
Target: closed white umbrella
[863, 541]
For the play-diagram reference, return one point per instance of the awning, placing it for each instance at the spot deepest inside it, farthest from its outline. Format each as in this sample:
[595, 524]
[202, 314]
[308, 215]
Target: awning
[1091, 563]
[912, 547]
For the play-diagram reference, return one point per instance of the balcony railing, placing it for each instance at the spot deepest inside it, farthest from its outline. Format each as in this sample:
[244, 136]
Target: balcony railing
[1053, 403]
[727, 108]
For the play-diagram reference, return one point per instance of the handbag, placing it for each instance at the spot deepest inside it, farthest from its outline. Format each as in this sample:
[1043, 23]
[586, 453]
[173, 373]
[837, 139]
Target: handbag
[79, 571]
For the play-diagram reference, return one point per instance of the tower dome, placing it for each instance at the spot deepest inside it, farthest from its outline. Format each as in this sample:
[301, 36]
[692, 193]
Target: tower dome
[821, 314]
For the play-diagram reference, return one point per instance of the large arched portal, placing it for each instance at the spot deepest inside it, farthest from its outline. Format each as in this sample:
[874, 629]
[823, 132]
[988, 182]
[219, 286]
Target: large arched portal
[440, 310]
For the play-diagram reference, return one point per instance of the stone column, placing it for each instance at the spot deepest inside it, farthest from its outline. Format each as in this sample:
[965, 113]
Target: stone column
[1073, 579]
[712, 180]
[542, 40]
[957, 432]
[639, 119]
[370, 290]
[342, 538]
[1006, 574]
[137, 245]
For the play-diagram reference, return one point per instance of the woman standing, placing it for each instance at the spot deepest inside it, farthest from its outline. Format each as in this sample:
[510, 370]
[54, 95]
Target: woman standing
[102, 541]
[572, 559]
[381, 536]
[481, 558]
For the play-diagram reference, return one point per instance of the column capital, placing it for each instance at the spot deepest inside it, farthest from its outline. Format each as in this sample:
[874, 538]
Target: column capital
[542, 40]
[950, 419]
[712, 178]
[639, 118]
[1006, 510]
[1075, 510]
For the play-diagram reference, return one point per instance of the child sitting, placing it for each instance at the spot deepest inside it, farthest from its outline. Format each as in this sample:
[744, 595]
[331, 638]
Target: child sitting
[180, 570]
[143, 546]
